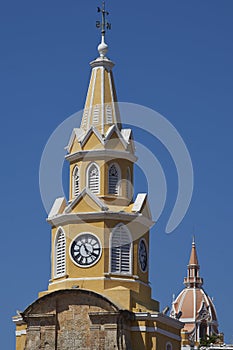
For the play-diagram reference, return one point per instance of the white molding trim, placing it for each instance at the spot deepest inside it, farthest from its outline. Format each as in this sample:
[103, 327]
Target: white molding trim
[160, 318]
[101, 154]
[91, 99]
[91, 130]
[19, 333]
[111, 131]
[79, 133]
[92, 195]
[112, 97]
[155, 330]
[85, 217]
[102, 99]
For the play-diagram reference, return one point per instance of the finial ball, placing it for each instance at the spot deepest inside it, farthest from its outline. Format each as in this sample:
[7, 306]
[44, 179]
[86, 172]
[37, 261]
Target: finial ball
[103, 49]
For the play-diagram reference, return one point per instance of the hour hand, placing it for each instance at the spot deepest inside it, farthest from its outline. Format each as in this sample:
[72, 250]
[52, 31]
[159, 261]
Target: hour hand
[86, 250]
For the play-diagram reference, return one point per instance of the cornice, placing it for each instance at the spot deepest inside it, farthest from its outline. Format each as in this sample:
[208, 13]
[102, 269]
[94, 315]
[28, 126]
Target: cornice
[67, 218]
[101, 154]
[159, 317]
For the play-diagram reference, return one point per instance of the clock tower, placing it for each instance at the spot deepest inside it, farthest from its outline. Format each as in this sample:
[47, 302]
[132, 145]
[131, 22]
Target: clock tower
[99, 296]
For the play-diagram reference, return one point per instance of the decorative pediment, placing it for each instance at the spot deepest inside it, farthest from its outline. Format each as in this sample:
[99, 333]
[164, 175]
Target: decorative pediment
[203, 313]
[86, 201]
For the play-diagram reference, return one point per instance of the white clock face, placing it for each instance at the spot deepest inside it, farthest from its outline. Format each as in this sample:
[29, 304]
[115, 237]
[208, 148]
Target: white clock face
[142, 255]
[85, 250]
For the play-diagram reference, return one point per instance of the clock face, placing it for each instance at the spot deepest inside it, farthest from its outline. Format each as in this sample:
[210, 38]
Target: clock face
[142, 255]
[85, 250]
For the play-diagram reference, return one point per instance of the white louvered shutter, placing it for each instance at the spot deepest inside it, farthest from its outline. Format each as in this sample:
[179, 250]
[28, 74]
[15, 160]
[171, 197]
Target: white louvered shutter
[60, 254]
[113, 180]
[76, 182]
[109, 114]
[121, 250]
[93, 179]
[84, 118]
[96, 114]
[128, 184]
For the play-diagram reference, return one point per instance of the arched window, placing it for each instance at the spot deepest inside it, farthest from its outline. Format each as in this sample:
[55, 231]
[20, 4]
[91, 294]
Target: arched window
[121, 250]
[93, 178]
[114, 179]
[60, 254]
[128, 184]
[75, 181]
[203, 330]
[168, 346]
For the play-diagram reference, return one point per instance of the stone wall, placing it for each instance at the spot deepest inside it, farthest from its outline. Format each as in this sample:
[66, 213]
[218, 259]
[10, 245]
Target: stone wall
[76, 319]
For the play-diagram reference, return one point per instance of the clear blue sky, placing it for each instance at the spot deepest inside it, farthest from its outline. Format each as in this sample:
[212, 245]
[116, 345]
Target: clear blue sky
[173, 56]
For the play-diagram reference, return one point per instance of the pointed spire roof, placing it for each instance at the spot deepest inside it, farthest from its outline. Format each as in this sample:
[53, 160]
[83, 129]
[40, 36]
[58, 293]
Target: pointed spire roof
[193, 256]
[101, 109]
[193, 279]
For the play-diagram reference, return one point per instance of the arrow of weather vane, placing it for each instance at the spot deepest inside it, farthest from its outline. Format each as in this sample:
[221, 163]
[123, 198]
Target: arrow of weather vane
[104, 24]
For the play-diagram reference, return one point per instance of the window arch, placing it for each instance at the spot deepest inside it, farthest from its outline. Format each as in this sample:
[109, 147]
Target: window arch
[75, 181]
[60, 254]
[121, 250]
[168, 346]
[114, 177]
[128, 184]
[93, 178]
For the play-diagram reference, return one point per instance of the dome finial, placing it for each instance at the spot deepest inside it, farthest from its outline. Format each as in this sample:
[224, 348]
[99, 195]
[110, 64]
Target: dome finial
[103, 47]
[193, 240]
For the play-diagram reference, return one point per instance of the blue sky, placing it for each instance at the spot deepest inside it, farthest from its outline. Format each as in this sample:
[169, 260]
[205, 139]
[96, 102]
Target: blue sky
[172, 56]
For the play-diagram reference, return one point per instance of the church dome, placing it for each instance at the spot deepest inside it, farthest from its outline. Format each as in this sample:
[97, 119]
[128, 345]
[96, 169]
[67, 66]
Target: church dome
[195, 304]
[194, 307]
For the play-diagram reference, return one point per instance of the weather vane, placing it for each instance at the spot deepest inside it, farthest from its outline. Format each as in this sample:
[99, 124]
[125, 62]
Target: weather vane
[104, 24]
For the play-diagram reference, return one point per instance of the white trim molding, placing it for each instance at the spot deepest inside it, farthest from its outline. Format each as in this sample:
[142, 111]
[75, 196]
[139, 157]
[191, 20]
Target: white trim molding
[19, 333]
[101, 154]
[155, 330]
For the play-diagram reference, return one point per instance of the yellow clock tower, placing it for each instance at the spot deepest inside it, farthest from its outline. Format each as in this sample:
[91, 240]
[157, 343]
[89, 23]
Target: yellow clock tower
[99, 295]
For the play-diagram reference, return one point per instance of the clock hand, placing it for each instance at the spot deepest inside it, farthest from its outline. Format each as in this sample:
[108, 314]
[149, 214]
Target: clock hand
[88, 251]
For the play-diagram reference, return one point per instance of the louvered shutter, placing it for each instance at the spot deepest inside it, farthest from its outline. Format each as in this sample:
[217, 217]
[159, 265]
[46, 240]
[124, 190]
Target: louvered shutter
[60, 254]
[113, 179]
[109, 114]
[128, 184]
[93, 179]
[76, 181]
[121, 250]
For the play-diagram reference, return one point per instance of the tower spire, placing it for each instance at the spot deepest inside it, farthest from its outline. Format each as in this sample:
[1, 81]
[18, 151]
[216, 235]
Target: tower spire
[193, 279]
[101, 110]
